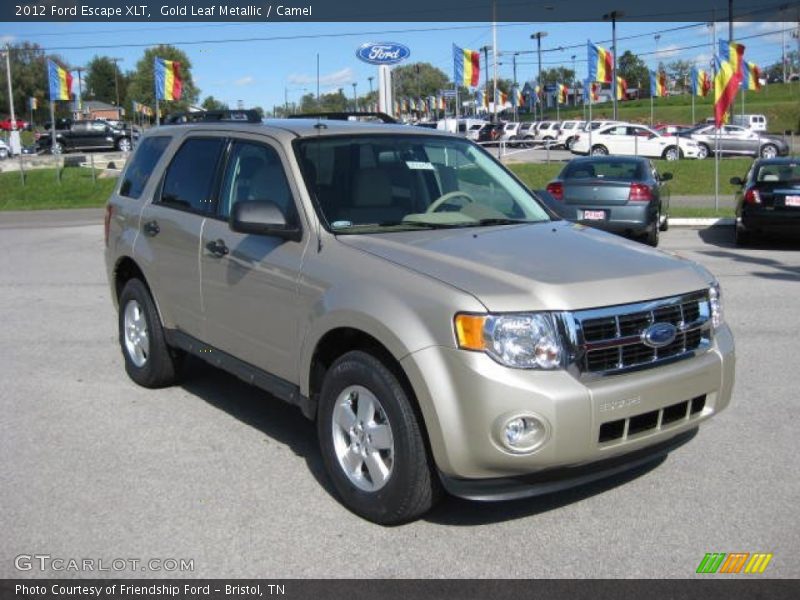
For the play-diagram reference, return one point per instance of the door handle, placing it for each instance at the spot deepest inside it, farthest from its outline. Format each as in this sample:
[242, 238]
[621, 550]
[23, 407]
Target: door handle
[217, 248]
[151, 228]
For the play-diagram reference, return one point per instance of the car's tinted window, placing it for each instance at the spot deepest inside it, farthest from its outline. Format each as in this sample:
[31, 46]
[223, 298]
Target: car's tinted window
[779, 173]
[255, 173]
[141, 166]
[367, 183]
[622, 170]
[191, 174]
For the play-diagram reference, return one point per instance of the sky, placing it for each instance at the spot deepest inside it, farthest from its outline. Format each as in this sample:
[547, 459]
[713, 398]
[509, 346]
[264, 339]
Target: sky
[270, 72]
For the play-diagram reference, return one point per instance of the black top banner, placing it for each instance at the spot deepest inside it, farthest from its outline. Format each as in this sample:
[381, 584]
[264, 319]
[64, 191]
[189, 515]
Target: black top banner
[397, 10]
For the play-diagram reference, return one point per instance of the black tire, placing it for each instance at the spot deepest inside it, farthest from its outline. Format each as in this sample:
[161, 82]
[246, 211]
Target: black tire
[598, 151]
[768, 151]
[58, 148]
[652, 236]
[704, 152]
[162, 365]
[412, 487]
[124, 144]
[570, 143]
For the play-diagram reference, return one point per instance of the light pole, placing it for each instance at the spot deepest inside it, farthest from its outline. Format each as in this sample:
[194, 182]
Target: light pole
[355, 98]
[574, 86]
[538, 37]
[614, 15]
[656, 37]
[485, 50]
[79, 103]
[116, 81]
[14, 141]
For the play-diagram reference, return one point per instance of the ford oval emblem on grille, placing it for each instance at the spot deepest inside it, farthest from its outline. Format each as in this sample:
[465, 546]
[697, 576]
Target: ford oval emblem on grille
[659, 335]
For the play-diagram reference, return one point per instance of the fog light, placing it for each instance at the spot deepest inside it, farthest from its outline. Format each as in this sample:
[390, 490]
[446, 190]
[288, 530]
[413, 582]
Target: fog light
[523, 433]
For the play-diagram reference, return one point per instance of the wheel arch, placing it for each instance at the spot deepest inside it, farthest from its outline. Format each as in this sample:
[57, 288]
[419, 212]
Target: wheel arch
[125, 269]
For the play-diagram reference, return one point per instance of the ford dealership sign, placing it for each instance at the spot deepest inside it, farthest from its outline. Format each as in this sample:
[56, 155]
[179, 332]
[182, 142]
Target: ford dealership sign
[383, 53]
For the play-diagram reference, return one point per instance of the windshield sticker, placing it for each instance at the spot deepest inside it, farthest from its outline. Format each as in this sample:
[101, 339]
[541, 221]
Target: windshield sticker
[422, 166]
[340, 224]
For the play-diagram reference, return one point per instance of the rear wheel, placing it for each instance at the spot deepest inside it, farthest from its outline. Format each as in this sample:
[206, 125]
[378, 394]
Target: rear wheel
[703, 151]
[664, 225]
[599, 151]
[570, 143]
[372, 444]
[57, 148]
[148, 359]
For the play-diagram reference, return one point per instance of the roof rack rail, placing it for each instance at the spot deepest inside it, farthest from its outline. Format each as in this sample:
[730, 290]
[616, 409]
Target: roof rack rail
[345, 116]
[206, 116]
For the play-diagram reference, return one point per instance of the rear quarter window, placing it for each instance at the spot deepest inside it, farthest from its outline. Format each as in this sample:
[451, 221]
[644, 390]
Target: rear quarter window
[141, 167]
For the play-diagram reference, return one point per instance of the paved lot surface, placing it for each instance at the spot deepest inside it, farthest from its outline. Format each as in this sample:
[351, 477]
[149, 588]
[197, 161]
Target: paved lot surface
[95, 467]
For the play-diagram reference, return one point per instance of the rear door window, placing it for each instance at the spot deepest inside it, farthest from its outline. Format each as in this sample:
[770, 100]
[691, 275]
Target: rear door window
[142, 164]
[188, 184]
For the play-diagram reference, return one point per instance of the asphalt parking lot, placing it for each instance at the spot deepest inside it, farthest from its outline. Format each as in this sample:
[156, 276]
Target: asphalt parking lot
[214, 471]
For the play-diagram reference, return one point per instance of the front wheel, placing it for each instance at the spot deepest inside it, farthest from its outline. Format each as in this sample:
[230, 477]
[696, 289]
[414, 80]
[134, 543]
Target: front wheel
[672, 153]
[148, 359]
[124, 145]
[652, 236]
[57, 148]
[372, 444]
[702, 152]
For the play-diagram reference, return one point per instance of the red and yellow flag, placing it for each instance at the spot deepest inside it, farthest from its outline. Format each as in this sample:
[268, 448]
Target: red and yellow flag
[622, 88]
[60, 81]
[169, 84]
[467, 66]
[600, 63]
[726, 83]
[751, 77]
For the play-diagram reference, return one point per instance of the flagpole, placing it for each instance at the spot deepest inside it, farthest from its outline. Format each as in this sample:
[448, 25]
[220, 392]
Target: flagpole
[743, 94]
[589, 124]
[651, 108]
[52, 126]
[693, 119]
[716, 171]
[158, 114]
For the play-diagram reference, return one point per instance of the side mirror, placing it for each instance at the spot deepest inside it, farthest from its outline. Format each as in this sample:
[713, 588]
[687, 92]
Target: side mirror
[666, 176]
[260, 217]
[737, 181]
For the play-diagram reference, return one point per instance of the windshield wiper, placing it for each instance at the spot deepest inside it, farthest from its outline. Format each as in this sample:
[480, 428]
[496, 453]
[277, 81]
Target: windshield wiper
[499, 221]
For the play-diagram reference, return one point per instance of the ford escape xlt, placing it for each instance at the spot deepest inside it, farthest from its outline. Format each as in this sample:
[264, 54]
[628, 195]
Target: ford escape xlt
[412, 297]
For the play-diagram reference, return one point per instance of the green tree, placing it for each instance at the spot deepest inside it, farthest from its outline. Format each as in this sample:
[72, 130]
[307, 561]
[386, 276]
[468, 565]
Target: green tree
[332, 102]
[211, 103]
[102, 78]
[558, 75]
[419, 80]
[141, 86]
[679, 70]
[633, 70]
[29, 79]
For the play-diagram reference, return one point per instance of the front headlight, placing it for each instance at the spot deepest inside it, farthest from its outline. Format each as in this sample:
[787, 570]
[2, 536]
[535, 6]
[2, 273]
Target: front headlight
[715, 303]
[521, 340]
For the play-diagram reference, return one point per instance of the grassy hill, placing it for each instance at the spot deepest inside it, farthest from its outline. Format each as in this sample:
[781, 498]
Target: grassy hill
[779, 102]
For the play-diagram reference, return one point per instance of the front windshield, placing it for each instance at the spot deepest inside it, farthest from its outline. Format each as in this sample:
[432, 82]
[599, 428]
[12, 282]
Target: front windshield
[380, 183]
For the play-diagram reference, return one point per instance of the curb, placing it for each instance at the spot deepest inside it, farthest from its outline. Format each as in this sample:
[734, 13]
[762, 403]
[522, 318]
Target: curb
[718, 222]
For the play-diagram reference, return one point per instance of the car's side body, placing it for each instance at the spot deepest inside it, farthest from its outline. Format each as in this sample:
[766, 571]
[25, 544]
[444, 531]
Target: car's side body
[629, 139]
[737, 140]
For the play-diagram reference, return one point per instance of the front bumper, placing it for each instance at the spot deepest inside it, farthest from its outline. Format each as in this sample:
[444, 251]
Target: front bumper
[464, 395]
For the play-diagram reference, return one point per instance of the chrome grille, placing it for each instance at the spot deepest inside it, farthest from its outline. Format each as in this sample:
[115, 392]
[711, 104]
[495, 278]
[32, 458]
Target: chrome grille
[609, 340]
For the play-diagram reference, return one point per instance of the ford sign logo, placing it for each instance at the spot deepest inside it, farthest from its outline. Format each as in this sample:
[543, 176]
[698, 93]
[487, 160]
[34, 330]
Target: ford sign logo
[659, 335]
[383, 53]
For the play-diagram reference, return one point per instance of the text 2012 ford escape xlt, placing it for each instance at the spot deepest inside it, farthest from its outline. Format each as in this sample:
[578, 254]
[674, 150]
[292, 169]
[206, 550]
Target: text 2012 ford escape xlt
[412, 297]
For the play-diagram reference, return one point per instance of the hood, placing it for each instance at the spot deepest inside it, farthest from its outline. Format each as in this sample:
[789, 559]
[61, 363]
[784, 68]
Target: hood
[541, 266]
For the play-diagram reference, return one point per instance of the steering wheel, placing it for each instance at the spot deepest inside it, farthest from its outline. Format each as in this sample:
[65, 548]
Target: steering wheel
[446, 198]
